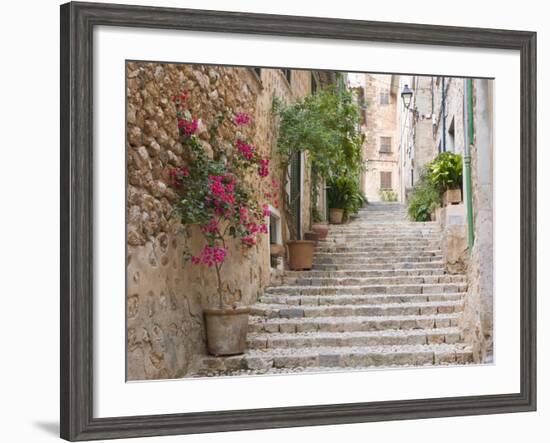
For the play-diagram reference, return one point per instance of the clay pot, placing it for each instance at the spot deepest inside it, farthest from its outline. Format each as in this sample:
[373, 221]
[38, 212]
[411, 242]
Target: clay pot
[452, 196]
[313, 236]
[276, 250]
[300, 254]
[226, 330]
[335, 216]
[321, 230]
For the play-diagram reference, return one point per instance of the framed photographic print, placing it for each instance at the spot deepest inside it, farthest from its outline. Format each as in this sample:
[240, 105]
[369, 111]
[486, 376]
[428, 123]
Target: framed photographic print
[272, 221]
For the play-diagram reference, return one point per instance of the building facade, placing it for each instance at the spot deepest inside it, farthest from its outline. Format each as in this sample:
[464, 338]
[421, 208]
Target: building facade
[378, 96]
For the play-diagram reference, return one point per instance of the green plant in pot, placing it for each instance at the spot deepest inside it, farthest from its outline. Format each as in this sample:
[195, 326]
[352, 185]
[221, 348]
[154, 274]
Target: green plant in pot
[445, 174]
[217, 202]
[423, 200]
[344, 197]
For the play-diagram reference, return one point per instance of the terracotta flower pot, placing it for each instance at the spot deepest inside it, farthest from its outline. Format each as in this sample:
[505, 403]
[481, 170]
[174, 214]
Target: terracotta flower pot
[300, 254]
[313, 236]
[336, 215]
[226, 330]
[321, 229]
[452, 196]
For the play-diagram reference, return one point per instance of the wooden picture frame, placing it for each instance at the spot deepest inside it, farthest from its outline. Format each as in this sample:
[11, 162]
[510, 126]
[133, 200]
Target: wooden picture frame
[77, 23]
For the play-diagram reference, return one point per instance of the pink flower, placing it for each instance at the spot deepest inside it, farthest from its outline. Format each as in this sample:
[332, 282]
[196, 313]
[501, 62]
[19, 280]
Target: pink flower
[263, 169]
[177, 175]
[210, 256]
[266, 211]
[242, 119]
[211, 227]
[182, 97]
[249, 240]
[243, 213]
[245, 149]
[188, 128]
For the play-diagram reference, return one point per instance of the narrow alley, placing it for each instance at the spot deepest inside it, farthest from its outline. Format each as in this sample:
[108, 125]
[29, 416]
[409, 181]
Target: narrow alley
[378, 295]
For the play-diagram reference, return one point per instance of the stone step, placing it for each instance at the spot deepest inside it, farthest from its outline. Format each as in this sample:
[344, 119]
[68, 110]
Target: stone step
[368, 310]
[293, 275]
[358, 299]
[384, 228]
[373, 249]
[421, 288]
[350, 324]
[317, 358]
[368, 260]
[368, 338]
[432, 264]
[340, 251]
[392, 280]
[368, 239]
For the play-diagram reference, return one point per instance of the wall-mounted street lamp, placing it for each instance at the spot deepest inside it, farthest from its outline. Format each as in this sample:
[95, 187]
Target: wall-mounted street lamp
[406, 95]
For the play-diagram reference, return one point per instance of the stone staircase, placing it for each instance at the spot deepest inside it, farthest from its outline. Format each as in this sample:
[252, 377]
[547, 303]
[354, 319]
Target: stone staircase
[378, 296]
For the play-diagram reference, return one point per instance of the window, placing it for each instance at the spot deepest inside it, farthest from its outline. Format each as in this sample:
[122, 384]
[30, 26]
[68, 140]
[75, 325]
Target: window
[385, 98]
[385, 180]
[288, 74]
[385, 145]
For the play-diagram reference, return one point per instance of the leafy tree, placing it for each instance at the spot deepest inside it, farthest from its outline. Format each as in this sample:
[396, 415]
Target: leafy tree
[326, 126]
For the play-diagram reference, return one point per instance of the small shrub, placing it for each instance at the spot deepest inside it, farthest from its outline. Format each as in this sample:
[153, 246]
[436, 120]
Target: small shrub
[445, 171]
[424, 199]
[388, 195]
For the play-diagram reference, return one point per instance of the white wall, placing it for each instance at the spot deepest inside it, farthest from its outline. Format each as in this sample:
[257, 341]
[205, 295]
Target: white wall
[29, 222]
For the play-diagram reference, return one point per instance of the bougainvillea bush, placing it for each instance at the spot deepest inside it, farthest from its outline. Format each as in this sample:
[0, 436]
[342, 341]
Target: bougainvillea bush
[214, 190]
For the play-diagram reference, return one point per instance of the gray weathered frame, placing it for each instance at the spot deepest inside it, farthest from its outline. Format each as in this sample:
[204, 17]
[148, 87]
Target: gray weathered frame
[77, 23]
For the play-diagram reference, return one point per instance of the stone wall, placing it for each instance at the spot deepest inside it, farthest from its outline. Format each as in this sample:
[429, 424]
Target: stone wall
[478, 309]
[165, 293]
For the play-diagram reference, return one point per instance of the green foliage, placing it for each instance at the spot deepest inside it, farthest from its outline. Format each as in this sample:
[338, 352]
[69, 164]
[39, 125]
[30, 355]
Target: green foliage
[326, 125]
[344, 193]
[424, 199]
[445, 171]
[388, 195]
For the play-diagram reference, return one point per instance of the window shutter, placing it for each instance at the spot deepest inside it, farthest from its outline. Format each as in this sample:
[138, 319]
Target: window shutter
[385, 180]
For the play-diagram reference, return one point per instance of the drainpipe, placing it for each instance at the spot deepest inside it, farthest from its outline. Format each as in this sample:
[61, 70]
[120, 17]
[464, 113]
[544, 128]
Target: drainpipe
[468, 141]
[443, 117]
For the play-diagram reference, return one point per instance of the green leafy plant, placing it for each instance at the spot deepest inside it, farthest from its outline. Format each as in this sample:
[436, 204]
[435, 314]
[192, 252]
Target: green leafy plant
[388, 195]
[324, 125]
[445, 171]
[343, 193]
[424, 199]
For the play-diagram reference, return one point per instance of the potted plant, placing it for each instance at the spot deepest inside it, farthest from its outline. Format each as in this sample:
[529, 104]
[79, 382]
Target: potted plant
[318, 226]
[325, 126]
[423, 200]
[344, 197]
[445, 173]
[216, 199]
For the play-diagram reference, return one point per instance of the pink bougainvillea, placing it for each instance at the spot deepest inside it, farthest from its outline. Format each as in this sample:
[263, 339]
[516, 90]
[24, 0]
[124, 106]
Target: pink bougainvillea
[215, 192]
[263, 168]
[188, 127]
[210, 256]
[242, 119]
[245, 149]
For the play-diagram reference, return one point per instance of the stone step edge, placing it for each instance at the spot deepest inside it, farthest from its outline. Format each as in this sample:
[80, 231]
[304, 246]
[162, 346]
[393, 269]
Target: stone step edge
[342, 357]
[309, 297]
[253, 319]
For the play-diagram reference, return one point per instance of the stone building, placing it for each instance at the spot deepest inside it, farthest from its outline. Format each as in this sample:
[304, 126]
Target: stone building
[165, 293]
[444, 116]
[379, 98]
